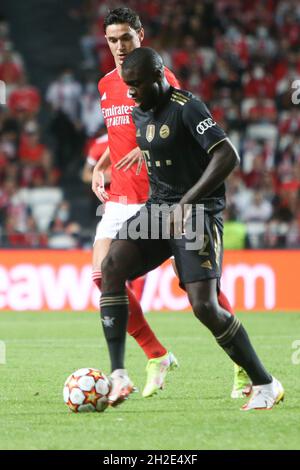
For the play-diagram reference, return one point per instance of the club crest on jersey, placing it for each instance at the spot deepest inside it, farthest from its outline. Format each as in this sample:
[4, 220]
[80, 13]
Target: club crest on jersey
[164, 131]
[129, 95]
[150, 132]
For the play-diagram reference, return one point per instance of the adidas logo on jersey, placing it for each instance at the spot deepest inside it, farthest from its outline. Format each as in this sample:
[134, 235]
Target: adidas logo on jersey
[206, 264]
[103, 97]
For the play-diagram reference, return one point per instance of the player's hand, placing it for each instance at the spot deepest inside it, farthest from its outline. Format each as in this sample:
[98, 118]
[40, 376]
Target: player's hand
[176, 221]
[98, 185]
[134, 156]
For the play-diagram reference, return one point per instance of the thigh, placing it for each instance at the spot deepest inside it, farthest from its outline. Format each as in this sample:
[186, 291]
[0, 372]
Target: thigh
[125, 257]
[140, 256]
[113, 218]
[137, 232]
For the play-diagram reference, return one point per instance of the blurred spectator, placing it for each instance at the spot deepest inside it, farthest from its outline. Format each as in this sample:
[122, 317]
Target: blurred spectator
[260, 210]
[62, 212]
[63, 231]
[90, 112]
[254, 177]
[89, 44]
[64, 95]
[25, 99]
[259, 84]
[290, 122]
[261, 110]
[34, 156]
[9, 144]
[15, 208]
[238, 195]
[256, 216]
[11, 68]
[29, 238]
[235, 231]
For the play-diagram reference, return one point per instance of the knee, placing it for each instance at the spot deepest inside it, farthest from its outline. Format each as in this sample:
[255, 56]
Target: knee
[109, 266]
[209, 314]
[204, 310]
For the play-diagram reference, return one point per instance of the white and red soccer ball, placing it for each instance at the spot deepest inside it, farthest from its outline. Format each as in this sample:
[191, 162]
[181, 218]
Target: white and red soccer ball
[86, 390]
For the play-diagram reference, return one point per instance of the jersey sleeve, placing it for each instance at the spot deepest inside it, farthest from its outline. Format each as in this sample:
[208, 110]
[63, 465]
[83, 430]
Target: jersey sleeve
[198, 120]
[172, 80]
[95, 152]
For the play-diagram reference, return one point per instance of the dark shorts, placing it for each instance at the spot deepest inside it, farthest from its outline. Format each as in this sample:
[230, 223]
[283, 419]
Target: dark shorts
[196, 258]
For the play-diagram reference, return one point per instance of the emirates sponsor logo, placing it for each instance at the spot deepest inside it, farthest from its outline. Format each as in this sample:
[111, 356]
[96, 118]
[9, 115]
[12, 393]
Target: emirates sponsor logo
[117, 115]
[111, 111]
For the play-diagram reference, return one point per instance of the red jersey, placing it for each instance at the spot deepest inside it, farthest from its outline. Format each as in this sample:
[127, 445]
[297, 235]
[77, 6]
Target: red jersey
[96, 149]
[31, 153]
[26, 98]
[10, 72]
[117, 106]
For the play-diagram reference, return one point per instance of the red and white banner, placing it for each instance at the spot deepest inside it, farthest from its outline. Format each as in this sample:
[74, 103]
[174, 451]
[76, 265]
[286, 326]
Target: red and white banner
[61, 280]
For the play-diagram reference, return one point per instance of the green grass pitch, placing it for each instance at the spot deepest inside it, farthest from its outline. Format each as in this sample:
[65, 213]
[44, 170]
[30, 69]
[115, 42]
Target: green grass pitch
[194, 411]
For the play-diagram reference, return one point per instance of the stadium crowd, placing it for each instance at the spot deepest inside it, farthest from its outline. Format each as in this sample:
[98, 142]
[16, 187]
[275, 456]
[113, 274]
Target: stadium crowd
[241, 57]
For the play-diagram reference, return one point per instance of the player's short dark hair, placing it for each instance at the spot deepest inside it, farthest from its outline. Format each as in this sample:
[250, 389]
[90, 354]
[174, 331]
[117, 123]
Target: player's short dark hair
[123, 15]
[144, 58]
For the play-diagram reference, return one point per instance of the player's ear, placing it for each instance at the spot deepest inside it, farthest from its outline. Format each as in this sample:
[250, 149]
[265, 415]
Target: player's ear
[141, 35]
[159, 74]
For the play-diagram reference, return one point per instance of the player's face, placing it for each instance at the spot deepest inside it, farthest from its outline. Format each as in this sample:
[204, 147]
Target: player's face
[143, 88]
[122, 39]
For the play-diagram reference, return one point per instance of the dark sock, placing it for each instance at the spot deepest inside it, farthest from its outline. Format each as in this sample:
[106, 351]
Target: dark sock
[114, 317]
[236, 343]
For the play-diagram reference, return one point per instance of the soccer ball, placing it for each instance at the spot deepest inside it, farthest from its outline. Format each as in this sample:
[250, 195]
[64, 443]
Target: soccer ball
[86, 390]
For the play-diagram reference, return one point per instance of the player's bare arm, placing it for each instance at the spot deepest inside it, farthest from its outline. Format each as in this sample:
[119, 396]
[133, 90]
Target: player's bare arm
[98, 180]
[87, 173]
[223, 161]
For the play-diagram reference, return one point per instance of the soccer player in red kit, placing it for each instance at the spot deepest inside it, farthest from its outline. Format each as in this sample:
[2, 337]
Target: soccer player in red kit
[129, 189]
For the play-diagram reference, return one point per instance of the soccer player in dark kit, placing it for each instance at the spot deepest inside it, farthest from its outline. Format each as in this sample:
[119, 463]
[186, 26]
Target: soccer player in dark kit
[130, 190]
[188, 157]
